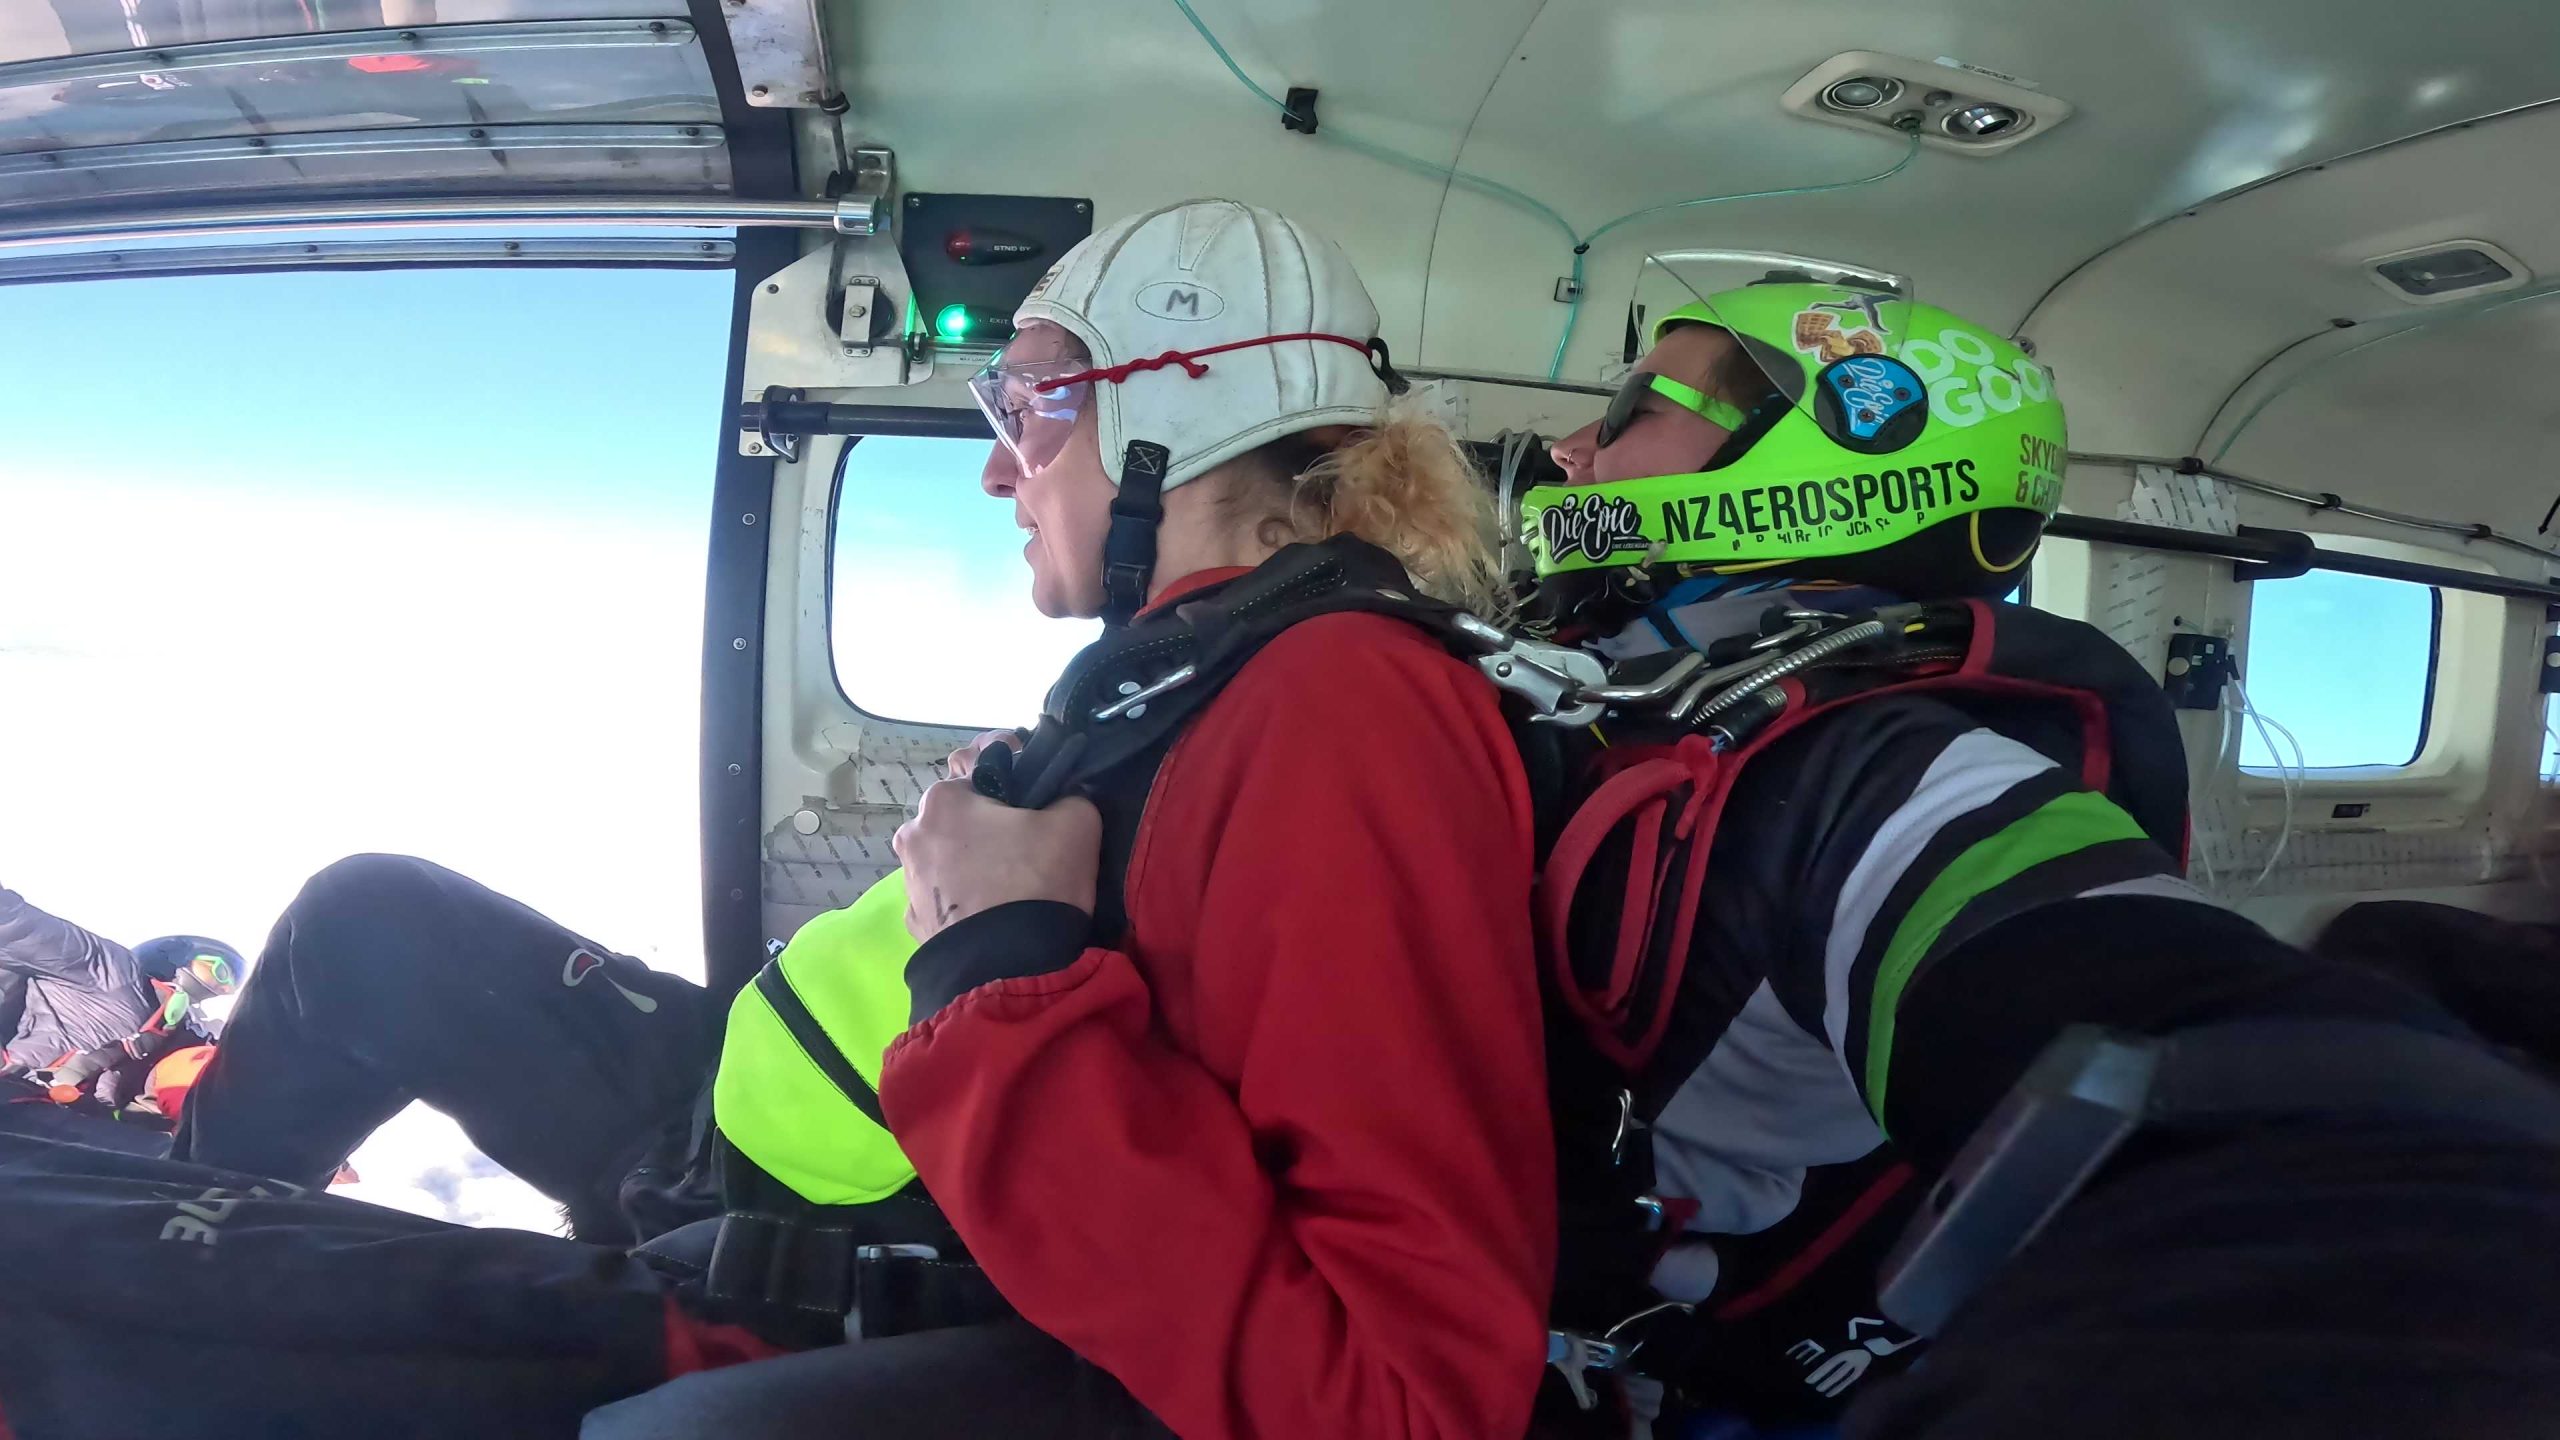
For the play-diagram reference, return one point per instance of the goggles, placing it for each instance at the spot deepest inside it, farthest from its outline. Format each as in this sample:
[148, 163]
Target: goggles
[1625, 405]
[1033, 405]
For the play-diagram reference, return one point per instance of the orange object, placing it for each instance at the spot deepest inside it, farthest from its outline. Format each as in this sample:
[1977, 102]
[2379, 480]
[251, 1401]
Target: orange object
[175, 1075]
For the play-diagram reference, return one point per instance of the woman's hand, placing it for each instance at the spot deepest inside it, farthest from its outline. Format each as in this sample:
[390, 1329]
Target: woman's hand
[965, 853]
[965, 759]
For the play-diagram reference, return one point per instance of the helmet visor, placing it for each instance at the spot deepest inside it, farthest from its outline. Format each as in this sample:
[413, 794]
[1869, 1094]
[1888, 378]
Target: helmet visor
[1033, 405]
[1820, 336]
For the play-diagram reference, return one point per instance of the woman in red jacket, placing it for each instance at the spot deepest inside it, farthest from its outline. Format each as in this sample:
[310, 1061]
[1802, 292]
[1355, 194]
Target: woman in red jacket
[1230, 1075]
[1274, 1154]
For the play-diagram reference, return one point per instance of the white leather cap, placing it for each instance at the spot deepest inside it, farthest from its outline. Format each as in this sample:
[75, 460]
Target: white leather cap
[1205, 273]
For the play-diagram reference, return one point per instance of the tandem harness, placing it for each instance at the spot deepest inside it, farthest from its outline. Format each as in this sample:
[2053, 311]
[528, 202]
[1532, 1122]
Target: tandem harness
[1626, 818]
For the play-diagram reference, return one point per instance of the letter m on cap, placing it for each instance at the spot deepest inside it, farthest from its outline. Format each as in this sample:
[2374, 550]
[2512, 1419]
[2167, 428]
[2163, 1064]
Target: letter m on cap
[1183, 300]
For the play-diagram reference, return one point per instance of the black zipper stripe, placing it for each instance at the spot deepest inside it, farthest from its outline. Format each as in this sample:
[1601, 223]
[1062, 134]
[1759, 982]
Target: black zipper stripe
[776, 989]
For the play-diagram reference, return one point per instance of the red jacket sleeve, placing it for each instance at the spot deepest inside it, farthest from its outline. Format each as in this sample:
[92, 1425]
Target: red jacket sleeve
[1334, 1213]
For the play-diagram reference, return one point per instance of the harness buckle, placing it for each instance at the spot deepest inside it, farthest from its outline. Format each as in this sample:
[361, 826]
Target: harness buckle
[1553, 679]
[903, 1289]
[1577, 1356]
[1134, 697]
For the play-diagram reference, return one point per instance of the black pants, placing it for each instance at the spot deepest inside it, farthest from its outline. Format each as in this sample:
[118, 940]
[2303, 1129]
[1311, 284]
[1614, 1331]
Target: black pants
[143, 1296]
[2311, 1278]
[390, 979]
[1005, 1381]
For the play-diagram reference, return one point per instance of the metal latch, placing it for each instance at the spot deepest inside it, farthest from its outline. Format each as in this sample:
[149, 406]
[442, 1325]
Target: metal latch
[864, 208]
[1553, 679]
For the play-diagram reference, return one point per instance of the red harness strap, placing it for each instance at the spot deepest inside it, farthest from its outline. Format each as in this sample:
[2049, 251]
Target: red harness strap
[1627, 1013]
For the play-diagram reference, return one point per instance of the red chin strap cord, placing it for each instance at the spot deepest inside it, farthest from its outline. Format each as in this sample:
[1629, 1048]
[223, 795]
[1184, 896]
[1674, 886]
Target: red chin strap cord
[1190, 360]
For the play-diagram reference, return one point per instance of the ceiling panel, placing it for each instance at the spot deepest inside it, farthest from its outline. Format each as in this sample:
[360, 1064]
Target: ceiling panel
[1119, 101]
[2454, 420]
[2179, 332]
[1609, 105]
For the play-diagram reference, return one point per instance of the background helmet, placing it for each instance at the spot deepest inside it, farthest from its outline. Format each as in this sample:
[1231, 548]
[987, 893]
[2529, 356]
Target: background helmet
[216, 968]
[1894, 444]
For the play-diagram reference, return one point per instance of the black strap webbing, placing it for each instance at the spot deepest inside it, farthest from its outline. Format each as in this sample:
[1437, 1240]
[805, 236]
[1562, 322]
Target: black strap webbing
[1129, 550]
[1213, 633]
[2241, 1072]
[814, 1042]
[900, 1294]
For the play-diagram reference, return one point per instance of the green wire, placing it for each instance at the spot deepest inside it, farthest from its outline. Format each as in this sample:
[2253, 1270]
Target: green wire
[1573, 311]
[1380, 152]
[1581, 243]
[1896, 168]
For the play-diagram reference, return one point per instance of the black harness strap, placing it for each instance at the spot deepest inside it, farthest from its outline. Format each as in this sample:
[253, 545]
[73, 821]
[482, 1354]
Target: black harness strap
[1134, 689]
[1129, 550]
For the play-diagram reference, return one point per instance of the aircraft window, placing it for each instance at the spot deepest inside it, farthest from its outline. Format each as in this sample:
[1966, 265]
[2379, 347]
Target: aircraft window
[931, 598]
[312, 564]
[2346, 663]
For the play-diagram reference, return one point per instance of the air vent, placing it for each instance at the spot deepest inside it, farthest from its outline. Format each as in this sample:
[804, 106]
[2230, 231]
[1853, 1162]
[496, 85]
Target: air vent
[2449, 270]
[1948, 105]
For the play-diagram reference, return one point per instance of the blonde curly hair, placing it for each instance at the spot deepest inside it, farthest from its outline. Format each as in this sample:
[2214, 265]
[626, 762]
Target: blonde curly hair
[1404, 485]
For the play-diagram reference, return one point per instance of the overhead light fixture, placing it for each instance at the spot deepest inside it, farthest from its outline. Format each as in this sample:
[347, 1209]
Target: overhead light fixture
[1984, 122]
[1943, 104]
[2440, 272]
[2447, 270]
[1861, 92]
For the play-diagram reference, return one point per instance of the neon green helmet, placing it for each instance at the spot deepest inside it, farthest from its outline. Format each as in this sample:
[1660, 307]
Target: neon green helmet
[797, 1092]
[1897, 443]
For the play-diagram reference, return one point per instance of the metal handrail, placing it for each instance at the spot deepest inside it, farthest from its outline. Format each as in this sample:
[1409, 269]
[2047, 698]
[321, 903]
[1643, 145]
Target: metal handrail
[851, 215]
[2328, 500]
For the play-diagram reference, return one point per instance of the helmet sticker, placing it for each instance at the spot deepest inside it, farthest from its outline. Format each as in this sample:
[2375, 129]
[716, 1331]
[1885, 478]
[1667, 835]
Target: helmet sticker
[1872, 404]
[1966, 381]
[1832, 331]
[1595, 527]
[1690, 519]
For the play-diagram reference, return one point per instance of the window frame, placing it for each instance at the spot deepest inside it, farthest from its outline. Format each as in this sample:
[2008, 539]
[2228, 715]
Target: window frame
[926, 422]
[2426, 698]
[2454, 766]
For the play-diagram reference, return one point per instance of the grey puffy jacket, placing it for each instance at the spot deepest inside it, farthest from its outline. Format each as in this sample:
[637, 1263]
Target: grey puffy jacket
[66, 989]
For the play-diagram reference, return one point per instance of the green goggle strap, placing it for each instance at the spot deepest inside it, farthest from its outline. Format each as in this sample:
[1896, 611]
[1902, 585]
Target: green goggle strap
[1717, 412]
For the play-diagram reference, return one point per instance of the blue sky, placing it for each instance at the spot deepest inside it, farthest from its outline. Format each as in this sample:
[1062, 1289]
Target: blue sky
[913, 523]
[2341, 661]
[303, 565]
[461, 385]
